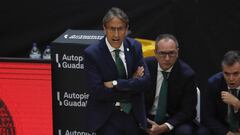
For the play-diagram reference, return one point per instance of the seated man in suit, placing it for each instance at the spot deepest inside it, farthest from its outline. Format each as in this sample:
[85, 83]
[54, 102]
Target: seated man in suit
[116, 102]
[221, 101]
[171, 101]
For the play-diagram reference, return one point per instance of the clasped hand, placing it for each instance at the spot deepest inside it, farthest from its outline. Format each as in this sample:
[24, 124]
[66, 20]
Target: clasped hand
[230, 99]
[157, 129]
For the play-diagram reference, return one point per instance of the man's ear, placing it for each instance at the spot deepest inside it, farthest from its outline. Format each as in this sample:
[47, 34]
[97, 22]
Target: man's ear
[177, 52]
[104, 29]
[127, 32]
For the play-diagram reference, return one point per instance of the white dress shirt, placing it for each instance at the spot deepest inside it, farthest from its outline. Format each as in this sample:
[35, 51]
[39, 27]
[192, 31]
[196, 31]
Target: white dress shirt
[121, 53]
[159, 81]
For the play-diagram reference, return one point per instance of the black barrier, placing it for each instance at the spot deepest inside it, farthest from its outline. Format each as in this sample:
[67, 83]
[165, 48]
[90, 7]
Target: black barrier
[70, 94]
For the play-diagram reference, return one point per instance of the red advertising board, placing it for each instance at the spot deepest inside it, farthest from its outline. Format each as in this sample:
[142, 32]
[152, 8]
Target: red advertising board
[25, 98]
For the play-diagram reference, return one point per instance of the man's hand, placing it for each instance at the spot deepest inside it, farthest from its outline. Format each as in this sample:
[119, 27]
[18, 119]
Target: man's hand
[230, 99]
[139, 72]
[230, 133]
[157, 129]
[108, 84]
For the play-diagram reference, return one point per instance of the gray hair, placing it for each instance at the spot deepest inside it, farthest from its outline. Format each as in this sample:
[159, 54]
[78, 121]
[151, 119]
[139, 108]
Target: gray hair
[115, 12]
[167, 37]
[231, 57]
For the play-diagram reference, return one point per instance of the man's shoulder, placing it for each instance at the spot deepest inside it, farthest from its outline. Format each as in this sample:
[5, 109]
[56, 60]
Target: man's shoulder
[217, 82]
[132, 42]
[94, 46]
[184, 67]
[150, 60]
[216, 77]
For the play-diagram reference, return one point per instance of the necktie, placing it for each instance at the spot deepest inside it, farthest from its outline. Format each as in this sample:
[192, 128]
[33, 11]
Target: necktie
[232, 116]
[125, 106]
[162, 101]
[120, 65]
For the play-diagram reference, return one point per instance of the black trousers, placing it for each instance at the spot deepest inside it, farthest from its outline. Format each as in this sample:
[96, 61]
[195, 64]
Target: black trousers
[187, 128]
[119, 123]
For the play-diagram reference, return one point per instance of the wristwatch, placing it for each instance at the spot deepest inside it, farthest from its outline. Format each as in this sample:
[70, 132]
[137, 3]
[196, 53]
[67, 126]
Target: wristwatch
[114, 83]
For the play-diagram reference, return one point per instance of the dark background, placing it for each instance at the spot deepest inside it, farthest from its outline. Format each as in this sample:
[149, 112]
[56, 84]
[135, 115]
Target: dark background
[206, 29]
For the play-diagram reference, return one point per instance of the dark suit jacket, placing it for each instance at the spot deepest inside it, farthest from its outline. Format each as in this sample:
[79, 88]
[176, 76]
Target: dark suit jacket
[100, 68]
[182, 94]
[214, 109]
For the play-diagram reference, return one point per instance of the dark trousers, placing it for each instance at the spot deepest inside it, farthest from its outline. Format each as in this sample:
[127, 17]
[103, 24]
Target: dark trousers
[119, 123]
[201, 130]
[190, 129]
[183, 129]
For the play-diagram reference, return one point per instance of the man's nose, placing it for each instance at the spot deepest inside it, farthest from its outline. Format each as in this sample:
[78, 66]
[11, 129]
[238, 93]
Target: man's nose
[231, 77]
[167, 57]
[116, 32]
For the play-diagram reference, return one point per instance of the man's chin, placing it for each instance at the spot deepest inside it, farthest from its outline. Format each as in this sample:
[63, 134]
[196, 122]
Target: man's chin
[115, 44]
[166, 68]
[232, 86]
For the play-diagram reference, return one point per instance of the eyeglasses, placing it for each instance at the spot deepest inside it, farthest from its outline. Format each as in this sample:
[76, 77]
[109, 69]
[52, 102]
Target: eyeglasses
[165, 54]
[116, 29]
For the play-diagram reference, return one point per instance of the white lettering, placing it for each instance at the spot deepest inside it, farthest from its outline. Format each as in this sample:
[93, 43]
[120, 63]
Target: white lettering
[78, 133]
[76, 96]
[72, 58]
[86, 37]
[75, 103]
[72, 65]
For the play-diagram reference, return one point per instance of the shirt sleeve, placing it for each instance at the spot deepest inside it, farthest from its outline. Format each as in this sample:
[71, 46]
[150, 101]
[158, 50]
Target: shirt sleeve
[169, 126]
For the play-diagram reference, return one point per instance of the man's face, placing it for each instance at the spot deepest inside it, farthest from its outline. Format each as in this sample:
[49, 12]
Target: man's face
[116, 31]
[166, 53]
[232, 75]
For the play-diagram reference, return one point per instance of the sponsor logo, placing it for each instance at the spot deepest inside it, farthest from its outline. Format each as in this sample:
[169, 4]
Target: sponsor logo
[69, 61]
[72, 99]
[65, 36]
[83, 37]
[74, 132]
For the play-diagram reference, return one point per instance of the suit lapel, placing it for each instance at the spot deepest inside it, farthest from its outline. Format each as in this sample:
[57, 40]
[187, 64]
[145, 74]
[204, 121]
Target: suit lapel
[107, 56]
[224, 88]
[174, 73]
[153, 73]
[128, 51]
